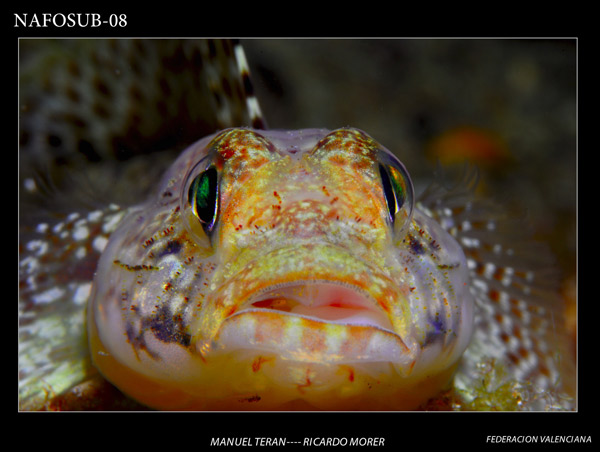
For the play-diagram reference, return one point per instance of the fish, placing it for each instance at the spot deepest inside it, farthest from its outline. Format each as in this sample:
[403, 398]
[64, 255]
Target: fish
[278, 270]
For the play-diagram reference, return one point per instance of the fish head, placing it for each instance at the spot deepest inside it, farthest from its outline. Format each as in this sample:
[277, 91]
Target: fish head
[273, 267]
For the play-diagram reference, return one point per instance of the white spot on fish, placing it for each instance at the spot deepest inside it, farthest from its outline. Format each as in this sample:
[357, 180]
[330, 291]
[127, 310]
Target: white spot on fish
[80, 253]
[94, 216]
[48, 296]
[41, 228]
[489, 270]
[111, 223]
[81, 233]
[82, 293]
[480, 284]
[470, 242]
[99, 243]
[30, 264]
[29, 185]
[38, 245]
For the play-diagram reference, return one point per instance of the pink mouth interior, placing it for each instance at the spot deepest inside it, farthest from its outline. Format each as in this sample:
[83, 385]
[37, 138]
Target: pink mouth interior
[325, 301]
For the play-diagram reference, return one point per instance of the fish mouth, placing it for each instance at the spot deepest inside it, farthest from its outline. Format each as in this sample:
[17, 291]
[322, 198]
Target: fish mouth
[322, 301]
[319, 322]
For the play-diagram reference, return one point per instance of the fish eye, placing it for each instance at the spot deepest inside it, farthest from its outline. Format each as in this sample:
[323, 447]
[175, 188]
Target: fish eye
[203, 198]
[199, 201]
[397, 190]
[393, 191]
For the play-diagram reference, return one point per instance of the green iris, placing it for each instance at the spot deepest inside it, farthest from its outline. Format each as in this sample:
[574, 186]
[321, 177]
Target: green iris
[394, 189]
[203, 197]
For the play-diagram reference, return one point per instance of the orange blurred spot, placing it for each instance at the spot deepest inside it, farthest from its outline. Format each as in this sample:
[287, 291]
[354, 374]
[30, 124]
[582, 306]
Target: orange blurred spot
[476, 145]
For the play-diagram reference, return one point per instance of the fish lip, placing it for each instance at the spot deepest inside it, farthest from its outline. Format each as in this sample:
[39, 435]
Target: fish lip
[322, 299]
[362, 334]
[238, 287]
[308, 339]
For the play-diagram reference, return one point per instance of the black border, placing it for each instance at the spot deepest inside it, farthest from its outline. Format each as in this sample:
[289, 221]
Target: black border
[428, 431]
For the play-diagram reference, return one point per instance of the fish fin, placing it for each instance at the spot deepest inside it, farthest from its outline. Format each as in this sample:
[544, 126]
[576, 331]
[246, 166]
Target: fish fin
[95, 103]
[519, 316]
